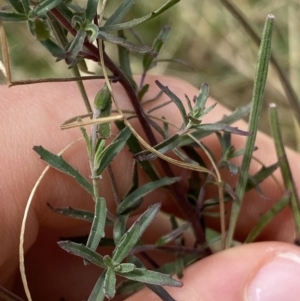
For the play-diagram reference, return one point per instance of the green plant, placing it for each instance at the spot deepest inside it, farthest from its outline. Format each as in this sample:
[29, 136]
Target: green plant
[52, 23]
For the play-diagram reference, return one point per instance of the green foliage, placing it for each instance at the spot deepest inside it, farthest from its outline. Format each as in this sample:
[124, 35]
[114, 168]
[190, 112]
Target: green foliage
[77, 34]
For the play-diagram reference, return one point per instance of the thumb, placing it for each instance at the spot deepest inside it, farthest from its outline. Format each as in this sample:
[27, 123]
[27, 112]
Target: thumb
[267, 271]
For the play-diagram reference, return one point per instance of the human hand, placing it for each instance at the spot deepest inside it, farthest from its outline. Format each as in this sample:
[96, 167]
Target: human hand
[31, 115]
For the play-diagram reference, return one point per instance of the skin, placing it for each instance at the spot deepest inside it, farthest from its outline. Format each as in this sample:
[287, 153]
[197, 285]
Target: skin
[31, 115]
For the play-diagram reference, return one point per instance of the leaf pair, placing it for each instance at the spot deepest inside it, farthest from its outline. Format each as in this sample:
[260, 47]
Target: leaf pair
[105, 285]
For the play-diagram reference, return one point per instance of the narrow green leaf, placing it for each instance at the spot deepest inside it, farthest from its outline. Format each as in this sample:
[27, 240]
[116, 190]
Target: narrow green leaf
[266, 218]
[44, 7]
[237, 114]
[257, 100]
[91, 10]
[108, 154]
[120, 12]
[26, 6]
[163, 147]
[60, 164]
[215, 127]
[147, 217]
[132, 23]
[167, 238]
[151, 277]
[97, 230]
[202, 97]
[6, 295]
[110, 284]
[97, 293]
[124, 43]
[126, 267]
[120, 227]
[131, 237]
[124, 60]
[74, 213]
[17, 5]
[176, 101]
[54, 49]
[76, 46]
[133, 199]
[158, 43]
[12, 17]
[83, 252]
[260, 176]
[285, 168]
[127, 242]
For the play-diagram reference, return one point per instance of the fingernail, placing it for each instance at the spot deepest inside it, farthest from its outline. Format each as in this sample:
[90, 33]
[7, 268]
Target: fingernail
[277, 280]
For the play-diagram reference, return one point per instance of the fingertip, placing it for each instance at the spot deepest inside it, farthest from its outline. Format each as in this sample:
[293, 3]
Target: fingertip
[250, 272]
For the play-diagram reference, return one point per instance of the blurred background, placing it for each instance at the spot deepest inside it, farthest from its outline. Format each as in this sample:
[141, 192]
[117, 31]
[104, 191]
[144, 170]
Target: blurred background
[206, 36]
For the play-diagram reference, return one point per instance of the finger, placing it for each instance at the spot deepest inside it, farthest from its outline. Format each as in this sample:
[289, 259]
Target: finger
[233, 275]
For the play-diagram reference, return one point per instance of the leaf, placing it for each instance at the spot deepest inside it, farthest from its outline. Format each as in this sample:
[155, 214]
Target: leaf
[74, 213]
[91, 10]
[202, 97]
[151, 277]
[147, 217]
[162, 147]
[97, 230]
[75, 47]
[124, 43]
[156, 45]
[120, 12]
[83, 252]
[266, 218]
[124, 60]
[17, 5]
[103, 159]
[54, 49]
[260, 176]
[110, 284]
[120, 227]
[215, 127]
[131, 237]
[12, 17]
[44, 7]
[126, 267]
[26, 6]
[131, 201]
[132, 23]
[97, 293]
[127, 242]
[167, 238]
[60, 164]
[257, 101]
[176, 101]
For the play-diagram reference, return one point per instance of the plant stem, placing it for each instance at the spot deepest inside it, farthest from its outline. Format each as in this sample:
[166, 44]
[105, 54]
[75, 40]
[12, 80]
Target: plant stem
[179, 196]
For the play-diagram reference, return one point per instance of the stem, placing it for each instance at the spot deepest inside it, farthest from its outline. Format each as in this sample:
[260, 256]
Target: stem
[180, 198]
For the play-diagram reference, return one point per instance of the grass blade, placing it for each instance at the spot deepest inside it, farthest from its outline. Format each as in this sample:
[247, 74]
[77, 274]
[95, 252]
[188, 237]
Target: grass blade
[257, 100]
[267, 217]
[285, 167]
